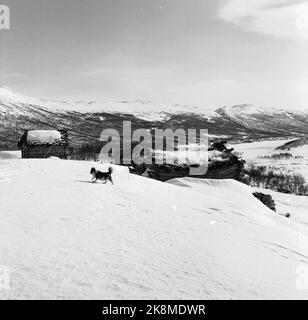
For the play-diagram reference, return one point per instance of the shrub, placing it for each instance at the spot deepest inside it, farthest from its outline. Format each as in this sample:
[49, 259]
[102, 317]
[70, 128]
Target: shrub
[266, 199]
[278, 156]
[275, 179]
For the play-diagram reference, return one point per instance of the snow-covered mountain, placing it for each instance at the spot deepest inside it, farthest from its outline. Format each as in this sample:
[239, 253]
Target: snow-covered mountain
[7, 95]
[141, 108]
[85, 120]
[271, 119]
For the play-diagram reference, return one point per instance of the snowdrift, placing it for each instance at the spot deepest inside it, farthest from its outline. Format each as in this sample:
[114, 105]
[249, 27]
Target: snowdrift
[64, 238]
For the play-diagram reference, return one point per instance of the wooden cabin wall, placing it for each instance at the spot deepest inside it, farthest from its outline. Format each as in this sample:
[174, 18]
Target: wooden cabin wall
[24, 152]
[44, 151]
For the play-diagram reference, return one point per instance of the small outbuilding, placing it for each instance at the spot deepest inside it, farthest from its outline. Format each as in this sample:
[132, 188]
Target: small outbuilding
[44, 144]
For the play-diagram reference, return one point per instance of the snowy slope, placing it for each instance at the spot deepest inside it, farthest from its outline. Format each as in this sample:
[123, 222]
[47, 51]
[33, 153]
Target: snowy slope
[290, 203]
[62, 237]
[142, 109]
[8, 95]
[252, 150]
[85, 119]
[145, 110]
[275, 120]
[260, 152]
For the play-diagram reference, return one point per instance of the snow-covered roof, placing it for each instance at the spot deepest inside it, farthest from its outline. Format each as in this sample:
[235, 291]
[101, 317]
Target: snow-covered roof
[36, 137]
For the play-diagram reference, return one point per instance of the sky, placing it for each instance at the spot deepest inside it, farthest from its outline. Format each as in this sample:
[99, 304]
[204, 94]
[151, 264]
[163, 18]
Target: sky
[195, 52]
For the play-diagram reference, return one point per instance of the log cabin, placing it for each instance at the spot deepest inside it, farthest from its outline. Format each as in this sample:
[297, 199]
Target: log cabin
[44, 144]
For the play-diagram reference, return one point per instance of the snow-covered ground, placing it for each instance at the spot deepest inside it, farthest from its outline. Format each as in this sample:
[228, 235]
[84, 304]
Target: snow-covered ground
[62, 237]
[252, 150]
[259, 153]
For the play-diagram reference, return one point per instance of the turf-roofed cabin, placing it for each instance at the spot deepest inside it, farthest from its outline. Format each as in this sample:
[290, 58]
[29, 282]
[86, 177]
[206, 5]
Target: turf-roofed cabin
[44, 144]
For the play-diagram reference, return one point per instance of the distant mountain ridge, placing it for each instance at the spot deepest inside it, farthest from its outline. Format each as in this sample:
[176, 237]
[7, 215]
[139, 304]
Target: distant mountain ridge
[86, 120]
[293, 144]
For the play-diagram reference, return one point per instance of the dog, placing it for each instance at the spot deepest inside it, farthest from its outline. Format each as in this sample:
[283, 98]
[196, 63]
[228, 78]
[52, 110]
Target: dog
[103, 176]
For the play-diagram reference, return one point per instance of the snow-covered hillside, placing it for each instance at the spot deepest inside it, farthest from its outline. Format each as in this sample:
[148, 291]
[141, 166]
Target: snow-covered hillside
[63, 237]
[141, 108]
[261, 153]
[275, 120]
[9, 96]
[85, 120]
[244, 114]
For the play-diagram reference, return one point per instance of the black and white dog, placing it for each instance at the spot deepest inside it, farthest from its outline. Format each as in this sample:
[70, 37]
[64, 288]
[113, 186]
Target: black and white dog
[103, 176]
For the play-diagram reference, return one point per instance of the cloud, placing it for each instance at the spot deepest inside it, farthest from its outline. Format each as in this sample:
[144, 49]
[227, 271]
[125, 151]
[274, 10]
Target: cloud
[279, 18]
